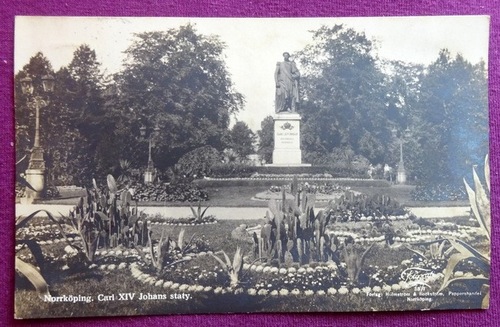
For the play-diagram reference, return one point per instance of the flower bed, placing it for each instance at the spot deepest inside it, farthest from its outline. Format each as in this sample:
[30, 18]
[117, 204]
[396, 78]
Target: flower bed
[179, 192]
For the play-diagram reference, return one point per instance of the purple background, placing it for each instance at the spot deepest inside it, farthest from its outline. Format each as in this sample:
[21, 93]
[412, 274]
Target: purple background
[244, 8]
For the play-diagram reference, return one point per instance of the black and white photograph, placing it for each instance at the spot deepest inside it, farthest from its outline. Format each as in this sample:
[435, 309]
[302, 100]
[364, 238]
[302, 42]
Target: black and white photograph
[219, 165]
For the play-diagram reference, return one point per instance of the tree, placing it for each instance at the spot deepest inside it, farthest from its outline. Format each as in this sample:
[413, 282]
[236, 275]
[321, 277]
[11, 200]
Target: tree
[242, 140]
[266, 139]
[453, 114]
[177, 80]
[344, 97]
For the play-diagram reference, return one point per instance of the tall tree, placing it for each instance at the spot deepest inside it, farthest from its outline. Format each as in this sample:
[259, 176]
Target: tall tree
[344, 96]
[453, 110]
[177, 80]
[242, 140]
[266, 139]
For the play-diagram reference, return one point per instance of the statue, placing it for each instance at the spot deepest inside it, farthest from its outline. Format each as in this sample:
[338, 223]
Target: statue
[286, 77]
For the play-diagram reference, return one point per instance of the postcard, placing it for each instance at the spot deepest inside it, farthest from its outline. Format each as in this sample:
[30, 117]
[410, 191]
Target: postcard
[202, 165]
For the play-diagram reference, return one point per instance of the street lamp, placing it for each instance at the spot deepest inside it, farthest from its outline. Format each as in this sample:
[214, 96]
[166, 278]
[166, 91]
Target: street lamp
[149, 174]
[401, 172]
[35, 174]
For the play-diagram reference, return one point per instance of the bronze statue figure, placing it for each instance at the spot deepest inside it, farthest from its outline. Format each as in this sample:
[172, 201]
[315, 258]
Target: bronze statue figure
[286, 77]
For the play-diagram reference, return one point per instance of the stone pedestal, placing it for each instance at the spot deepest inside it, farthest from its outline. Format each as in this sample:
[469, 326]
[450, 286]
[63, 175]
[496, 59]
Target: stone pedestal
[36, 178]
[287, 141]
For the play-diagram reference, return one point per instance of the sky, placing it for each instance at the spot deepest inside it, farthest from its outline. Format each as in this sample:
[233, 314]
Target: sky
[253, 45]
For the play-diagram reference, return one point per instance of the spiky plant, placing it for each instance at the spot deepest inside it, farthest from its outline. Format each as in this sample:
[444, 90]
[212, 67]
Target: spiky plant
[480, 204]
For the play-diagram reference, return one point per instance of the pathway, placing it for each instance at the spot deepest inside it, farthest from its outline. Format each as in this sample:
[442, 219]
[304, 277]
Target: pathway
[225, 213]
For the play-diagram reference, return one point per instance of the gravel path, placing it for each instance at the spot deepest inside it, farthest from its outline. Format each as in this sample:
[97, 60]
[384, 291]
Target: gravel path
[225, 213]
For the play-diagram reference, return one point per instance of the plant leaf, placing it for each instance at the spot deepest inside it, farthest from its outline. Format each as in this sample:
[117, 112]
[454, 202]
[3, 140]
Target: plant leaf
[111, 184]
[483, 203]
[462, 279]
[35, 278]
[452, 263]
[472, 200]
[466, 249]
[223, 265]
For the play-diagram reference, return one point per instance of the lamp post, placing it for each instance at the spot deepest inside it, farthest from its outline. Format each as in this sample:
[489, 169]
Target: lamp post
[401, 172]
[149, 174]
[35, 174]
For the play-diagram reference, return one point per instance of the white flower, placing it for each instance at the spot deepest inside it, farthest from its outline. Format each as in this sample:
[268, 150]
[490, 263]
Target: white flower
[284, 292]
[332, 291]
[320, 292]
[387, 288]
[259, 269]
[159, 283]
[253, 267]
[263, 291]
[274, 270]
[111, 267]
[266, 269]
[252, 291]
[301, 270]
[396, 287]
[283, 271]
[376, 289]
[274, 293]
[246, 266]
[367, 289]
[207, 289]
[167, 284]
[175, 286]
[343, 290]
[292, 270]
[218, 290]
[404, 285]
[191, 288]
[309, 292]
[355, 290]
[310, 270]
[295, 291]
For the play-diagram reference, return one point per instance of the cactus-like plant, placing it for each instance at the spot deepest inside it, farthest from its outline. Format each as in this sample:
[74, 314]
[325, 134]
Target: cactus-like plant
[480, 204]
[28, 270]
[354, 260]
[198, 214]
[234, 268]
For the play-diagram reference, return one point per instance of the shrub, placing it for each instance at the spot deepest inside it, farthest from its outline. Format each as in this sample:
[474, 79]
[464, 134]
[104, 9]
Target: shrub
[198, 162]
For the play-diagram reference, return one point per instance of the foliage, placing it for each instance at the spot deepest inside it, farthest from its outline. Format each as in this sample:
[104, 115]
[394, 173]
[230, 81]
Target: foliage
[345, 102]
[480, 203]
[199, 214]
[241, 141]
[234, 268]
[266, 139]
[107, 217]
[351, 206]
[198, 162]
[293, 233]
[26, 269]
[169, 192]
[167, 252]
[178, 80]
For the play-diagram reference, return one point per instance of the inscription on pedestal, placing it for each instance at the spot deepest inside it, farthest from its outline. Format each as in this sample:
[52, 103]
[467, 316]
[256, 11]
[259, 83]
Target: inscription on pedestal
[287, 140]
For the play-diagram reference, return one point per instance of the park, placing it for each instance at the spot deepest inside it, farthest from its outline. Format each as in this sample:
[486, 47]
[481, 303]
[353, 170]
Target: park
[142, 192]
